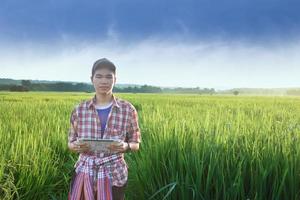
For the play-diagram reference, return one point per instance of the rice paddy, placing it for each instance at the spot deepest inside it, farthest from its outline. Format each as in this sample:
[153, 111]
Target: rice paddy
[193, 146]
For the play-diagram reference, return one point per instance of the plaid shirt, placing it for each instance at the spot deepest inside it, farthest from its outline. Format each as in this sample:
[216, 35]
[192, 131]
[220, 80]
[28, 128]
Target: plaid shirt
[122, 124]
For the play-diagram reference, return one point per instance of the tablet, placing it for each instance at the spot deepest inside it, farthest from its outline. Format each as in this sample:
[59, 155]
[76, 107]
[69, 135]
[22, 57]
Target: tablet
[99, 145]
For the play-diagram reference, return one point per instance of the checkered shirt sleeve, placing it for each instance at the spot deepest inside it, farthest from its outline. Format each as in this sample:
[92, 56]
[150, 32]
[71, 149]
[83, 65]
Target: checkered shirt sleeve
[73, 126]
[133, 134]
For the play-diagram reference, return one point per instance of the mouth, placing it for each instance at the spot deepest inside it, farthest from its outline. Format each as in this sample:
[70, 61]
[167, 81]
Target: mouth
[103, 87]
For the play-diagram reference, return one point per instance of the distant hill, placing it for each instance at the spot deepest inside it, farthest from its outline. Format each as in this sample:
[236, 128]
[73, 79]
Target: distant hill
[45, 85]
[125, 85]
[64, 86]
[263, 91]
[8, 81]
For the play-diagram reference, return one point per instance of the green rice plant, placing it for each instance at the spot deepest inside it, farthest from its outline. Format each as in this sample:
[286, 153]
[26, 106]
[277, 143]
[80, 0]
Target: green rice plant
[193, 147]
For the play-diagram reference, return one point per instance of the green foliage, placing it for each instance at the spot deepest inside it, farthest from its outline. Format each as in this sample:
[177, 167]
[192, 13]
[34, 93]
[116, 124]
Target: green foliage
[193, 147]
[18, 88]
[236, 92]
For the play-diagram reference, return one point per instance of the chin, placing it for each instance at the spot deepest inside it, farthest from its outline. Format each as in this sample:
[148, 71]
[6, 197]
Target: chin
[104, 92]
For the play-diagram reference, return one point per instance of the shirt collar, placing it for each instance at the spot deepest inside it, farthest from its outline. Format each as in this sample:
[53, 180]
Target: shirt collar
[92, 102]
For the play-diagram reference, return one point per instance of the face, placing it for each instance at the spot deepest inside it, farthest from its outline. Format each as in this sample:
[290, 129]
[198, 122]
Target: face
[103, 81]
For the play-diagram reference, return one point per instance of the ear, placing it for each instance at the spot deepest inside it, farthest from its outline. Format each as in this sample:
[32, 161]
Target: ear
[91, 79]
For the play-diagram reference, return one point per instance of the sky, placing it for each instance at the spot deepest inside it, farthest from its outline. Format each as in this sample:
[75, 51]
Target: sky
[170, 43]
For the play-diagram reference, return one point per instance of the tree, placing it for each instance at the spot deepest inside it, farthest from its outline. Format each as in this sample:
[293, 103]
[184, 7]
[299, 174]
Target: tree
[25, 87]
[18, 88]
[26, 83]
[236, 92]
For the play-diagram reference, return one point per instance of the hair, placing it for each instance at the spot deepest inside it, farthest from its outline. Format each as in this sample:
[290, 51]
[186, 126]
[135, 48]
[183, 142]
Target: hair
[103, 63]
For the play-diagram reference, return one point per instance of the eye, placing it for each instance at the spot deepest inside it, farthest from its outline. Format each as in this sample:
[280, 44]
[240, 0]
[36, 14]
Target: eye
[98, 76]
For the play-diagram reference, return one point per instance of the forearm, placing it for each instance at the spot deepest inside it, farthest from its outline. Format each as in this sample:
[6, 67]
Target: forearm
[134, 146]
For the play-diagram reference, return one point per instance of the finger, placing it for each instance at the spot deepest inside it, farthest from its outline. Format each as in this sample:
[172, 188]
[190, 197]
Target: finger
[75, 126]
[81, 150]
[117, 145]
[111, 148]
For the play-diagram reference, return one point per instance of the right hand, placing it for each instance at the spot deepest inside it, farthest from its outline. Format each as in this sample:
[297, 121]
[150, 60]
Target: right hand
[76, 146]
[79, 147]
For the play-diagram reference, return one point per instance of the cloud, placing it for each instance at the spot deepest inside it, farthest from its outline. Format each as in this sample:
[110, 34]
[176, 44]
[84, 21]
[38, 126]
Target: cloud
[161, 62]
[46, 20]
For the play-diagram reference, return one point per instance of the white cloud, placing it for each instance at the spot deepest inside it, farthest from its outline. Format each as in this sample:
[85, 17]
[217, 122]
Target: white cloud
[217, 64]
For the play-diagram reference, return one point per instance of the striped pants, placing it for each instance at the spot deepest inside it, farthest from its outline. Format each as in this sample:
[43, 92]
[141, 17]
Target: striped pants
[90, 183]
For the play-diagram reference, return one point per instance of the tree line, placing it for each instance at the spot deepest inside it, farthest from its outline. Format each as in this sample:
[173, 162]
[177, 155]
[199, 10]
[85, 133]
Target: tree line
[27, 85]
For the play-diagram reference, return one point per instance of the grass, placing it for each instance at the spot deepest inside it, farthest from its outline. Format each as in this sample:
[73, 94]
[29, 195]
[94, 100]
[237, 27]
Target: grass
[193, 147]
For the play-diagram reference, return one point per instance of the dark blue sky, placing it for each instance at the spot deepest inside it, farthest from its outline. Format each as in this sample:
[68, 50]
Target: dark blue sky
[137, 19]
[189, 43]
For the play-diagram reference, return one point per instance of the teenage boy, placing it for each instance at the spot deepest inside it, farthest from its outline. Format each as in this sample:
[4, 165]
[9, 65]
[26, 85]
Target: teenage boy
[102, 175]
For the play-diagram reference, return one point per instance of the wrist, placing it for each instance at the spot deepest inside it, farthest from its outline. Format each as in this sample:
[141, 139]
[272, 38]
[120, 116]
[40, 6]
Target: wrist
[128, 149]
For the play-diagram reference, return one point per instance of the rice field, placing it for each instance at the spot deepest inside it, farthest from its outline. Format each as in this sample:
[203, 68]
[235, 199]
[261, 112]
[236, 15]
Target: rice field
[193, 147]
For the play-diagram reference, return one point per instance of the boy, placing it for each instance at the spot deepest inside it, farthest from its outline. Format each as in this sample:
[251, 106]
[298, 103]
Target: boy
[102, 175]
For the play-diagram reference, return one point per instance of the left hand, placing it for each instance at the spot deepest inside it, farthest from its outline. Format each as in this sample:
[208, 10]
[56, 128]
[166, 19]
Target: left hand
[119, 147]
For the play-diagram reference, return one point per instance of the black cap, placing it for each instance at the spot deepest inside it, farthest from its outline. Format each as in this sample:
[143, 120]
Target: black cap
[103, 63]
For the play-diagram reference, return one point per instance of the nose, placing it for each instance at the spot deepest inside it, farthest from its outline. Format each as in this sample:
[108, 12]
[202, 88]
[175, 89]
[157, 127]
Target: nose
[104, 81]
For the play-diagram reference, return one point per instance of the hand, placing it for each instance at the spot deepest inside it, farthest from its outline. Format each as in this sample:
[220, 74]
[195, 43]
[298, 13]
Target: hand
[119, 147]
[79, 147]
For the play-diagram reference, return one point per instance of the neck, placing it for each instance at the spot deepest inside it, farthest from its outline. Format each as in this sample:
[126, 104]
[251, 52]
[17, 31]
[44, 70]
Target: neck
[103, 99]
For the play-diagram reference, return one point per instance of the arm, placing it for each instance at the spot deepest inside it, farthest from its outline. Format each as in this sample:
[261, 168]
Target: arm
[133, 136]
[73, 145]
